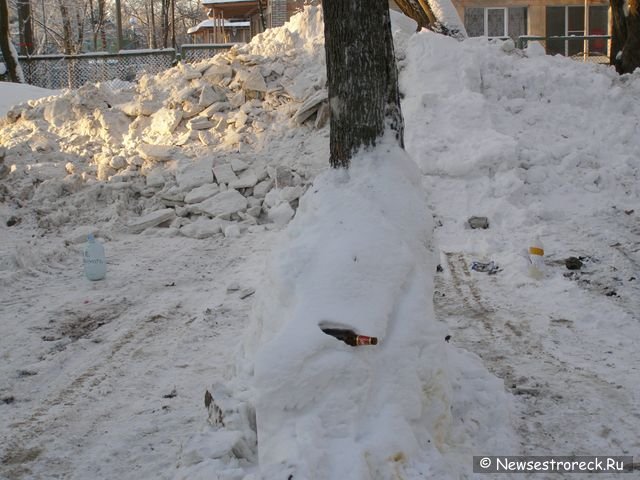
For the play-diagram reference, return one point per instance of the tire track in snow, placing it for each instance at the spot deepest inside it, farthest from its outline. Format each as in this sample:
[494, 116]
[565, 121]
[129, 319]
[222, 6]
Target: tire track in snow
[48, 417]
[101, 410]
[558, 400]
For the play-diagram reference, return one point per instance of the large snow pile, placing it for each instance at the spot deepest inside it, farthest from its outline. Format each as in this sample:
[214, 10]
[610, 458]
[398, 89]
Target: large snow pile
[186, 148]
[551, 139]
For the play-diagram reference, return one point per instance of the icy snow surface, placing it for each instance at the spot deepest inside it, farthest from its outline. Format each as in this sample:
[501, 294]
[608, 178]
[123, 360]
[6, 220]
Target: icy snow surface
[189, 178]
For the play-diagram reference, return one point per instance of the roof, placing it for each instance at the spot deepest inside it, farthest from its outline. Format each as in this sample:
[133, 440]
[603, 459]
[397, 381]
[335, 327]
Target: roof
[227, 24]
[233, 8]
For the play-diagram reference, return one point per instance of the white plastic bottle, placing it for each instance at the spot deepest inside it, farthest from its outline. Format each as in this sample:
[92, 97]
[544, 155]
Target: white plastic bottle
[536, 257]
[95, 264]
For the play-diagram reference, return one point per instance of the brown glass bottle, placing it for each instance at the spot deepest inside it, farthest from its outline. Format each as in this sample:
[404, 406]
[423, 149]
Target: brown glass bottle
[350, 337]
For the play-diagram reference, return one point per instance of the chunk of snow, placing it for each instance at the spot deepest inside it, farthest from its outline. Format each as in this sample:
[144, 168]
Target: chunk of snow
[224, 173]
[201, 193]
[165, 120]
[150, 220]
[157, 153]
[191, 174]
[281, 214]
[247, 179]
[223, 204]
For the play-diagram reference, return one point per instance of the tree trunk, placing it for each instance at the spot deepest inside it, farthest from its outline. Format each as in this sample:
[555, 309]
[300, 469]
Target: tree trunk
[67, 31]
[153, 43]
[631, 50]
[618, 32]
[94, 26]
[25, 26]
[97, 25]
[101, 16]
[80, 33]
[165, 23]
[262, 21]
[8, 50]
[173, 24]
[362, 76]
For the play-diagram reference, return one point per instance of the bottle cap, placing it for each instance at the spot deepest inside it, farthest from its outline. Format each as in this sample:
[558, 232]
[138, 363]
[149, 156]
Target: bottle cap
[536, 251]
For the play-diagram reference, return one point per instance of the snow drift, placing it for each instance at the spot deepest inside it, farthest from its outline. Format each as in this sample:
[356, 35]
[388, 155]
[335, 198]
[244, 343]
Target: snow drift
[356, 256]
[185, 149]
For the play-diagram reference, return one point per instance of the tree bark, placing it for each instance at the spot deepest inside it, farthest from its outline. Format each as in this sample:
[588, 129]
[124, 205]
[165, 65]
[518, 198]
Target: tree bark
[80, 33]
[173, 23]
[165, 23]
[8, 50]
[94, 24]
[67, 31]
[97, 24]
[25, 27]
[362, 77]
[153, 43]
[631, 50]
[262, 21]
[618, 31]
[101, 17]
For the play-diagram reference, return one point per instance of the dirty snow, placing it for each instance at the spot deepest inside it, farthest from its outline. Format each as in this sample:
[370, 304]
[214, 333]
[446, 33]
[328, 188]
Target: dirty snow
[190, 179]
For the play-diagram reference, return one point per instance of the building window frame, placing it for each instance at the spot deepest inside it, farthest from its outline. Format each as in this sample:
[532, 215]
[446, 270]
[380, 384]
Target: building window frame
[586, 29]
[480, 23]
[505, 22]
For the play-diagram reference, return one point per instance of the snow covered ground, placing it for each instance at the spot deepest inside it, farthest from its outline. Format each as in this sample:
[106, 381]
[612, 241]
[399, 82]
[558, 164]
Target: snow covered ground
[190, 179]
[13, 94]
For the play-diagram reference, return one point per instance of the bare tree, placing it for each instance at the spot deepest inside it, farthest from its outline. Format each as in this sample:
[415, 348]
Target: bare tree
[362, 76]
[98, 17]
[9, 52]
[25, 26]
[625, 39]
[165, 22]
[67, 31]
[74, 26]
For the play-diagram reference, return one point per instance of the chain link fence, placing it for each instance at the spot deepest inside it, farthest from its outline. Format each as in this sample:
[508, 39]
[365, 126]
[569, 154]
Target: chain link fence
[73, 71]
[196, 52]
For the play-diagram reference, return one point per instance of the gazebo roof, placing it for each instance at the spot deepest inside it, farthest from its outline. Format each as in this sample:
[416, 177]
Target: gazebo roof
[226, 23]
[233, 8]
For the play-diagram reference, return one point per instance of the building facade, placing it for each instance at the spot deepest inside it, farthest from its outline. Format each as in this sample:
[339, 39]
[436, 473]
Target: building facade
[233, 21]
[230, 21]
[541, 18]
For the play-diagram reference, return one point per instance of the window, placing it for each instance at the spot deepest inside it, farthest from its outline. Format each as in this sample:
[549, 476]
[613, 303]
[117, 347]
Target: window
[496, 22]
[567, 21]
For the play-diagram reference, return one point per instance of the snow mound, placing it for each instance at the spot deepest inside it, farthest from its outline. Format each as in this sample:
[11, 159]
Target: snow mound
[512, 96]
[358, 255]
[527, 140]
[107, 156]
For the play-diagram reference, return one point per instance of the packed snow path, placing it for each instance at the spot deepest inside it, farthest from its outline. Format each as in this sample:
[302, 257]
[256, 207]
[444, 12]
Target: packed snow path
[575, 389]
[107, 379]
